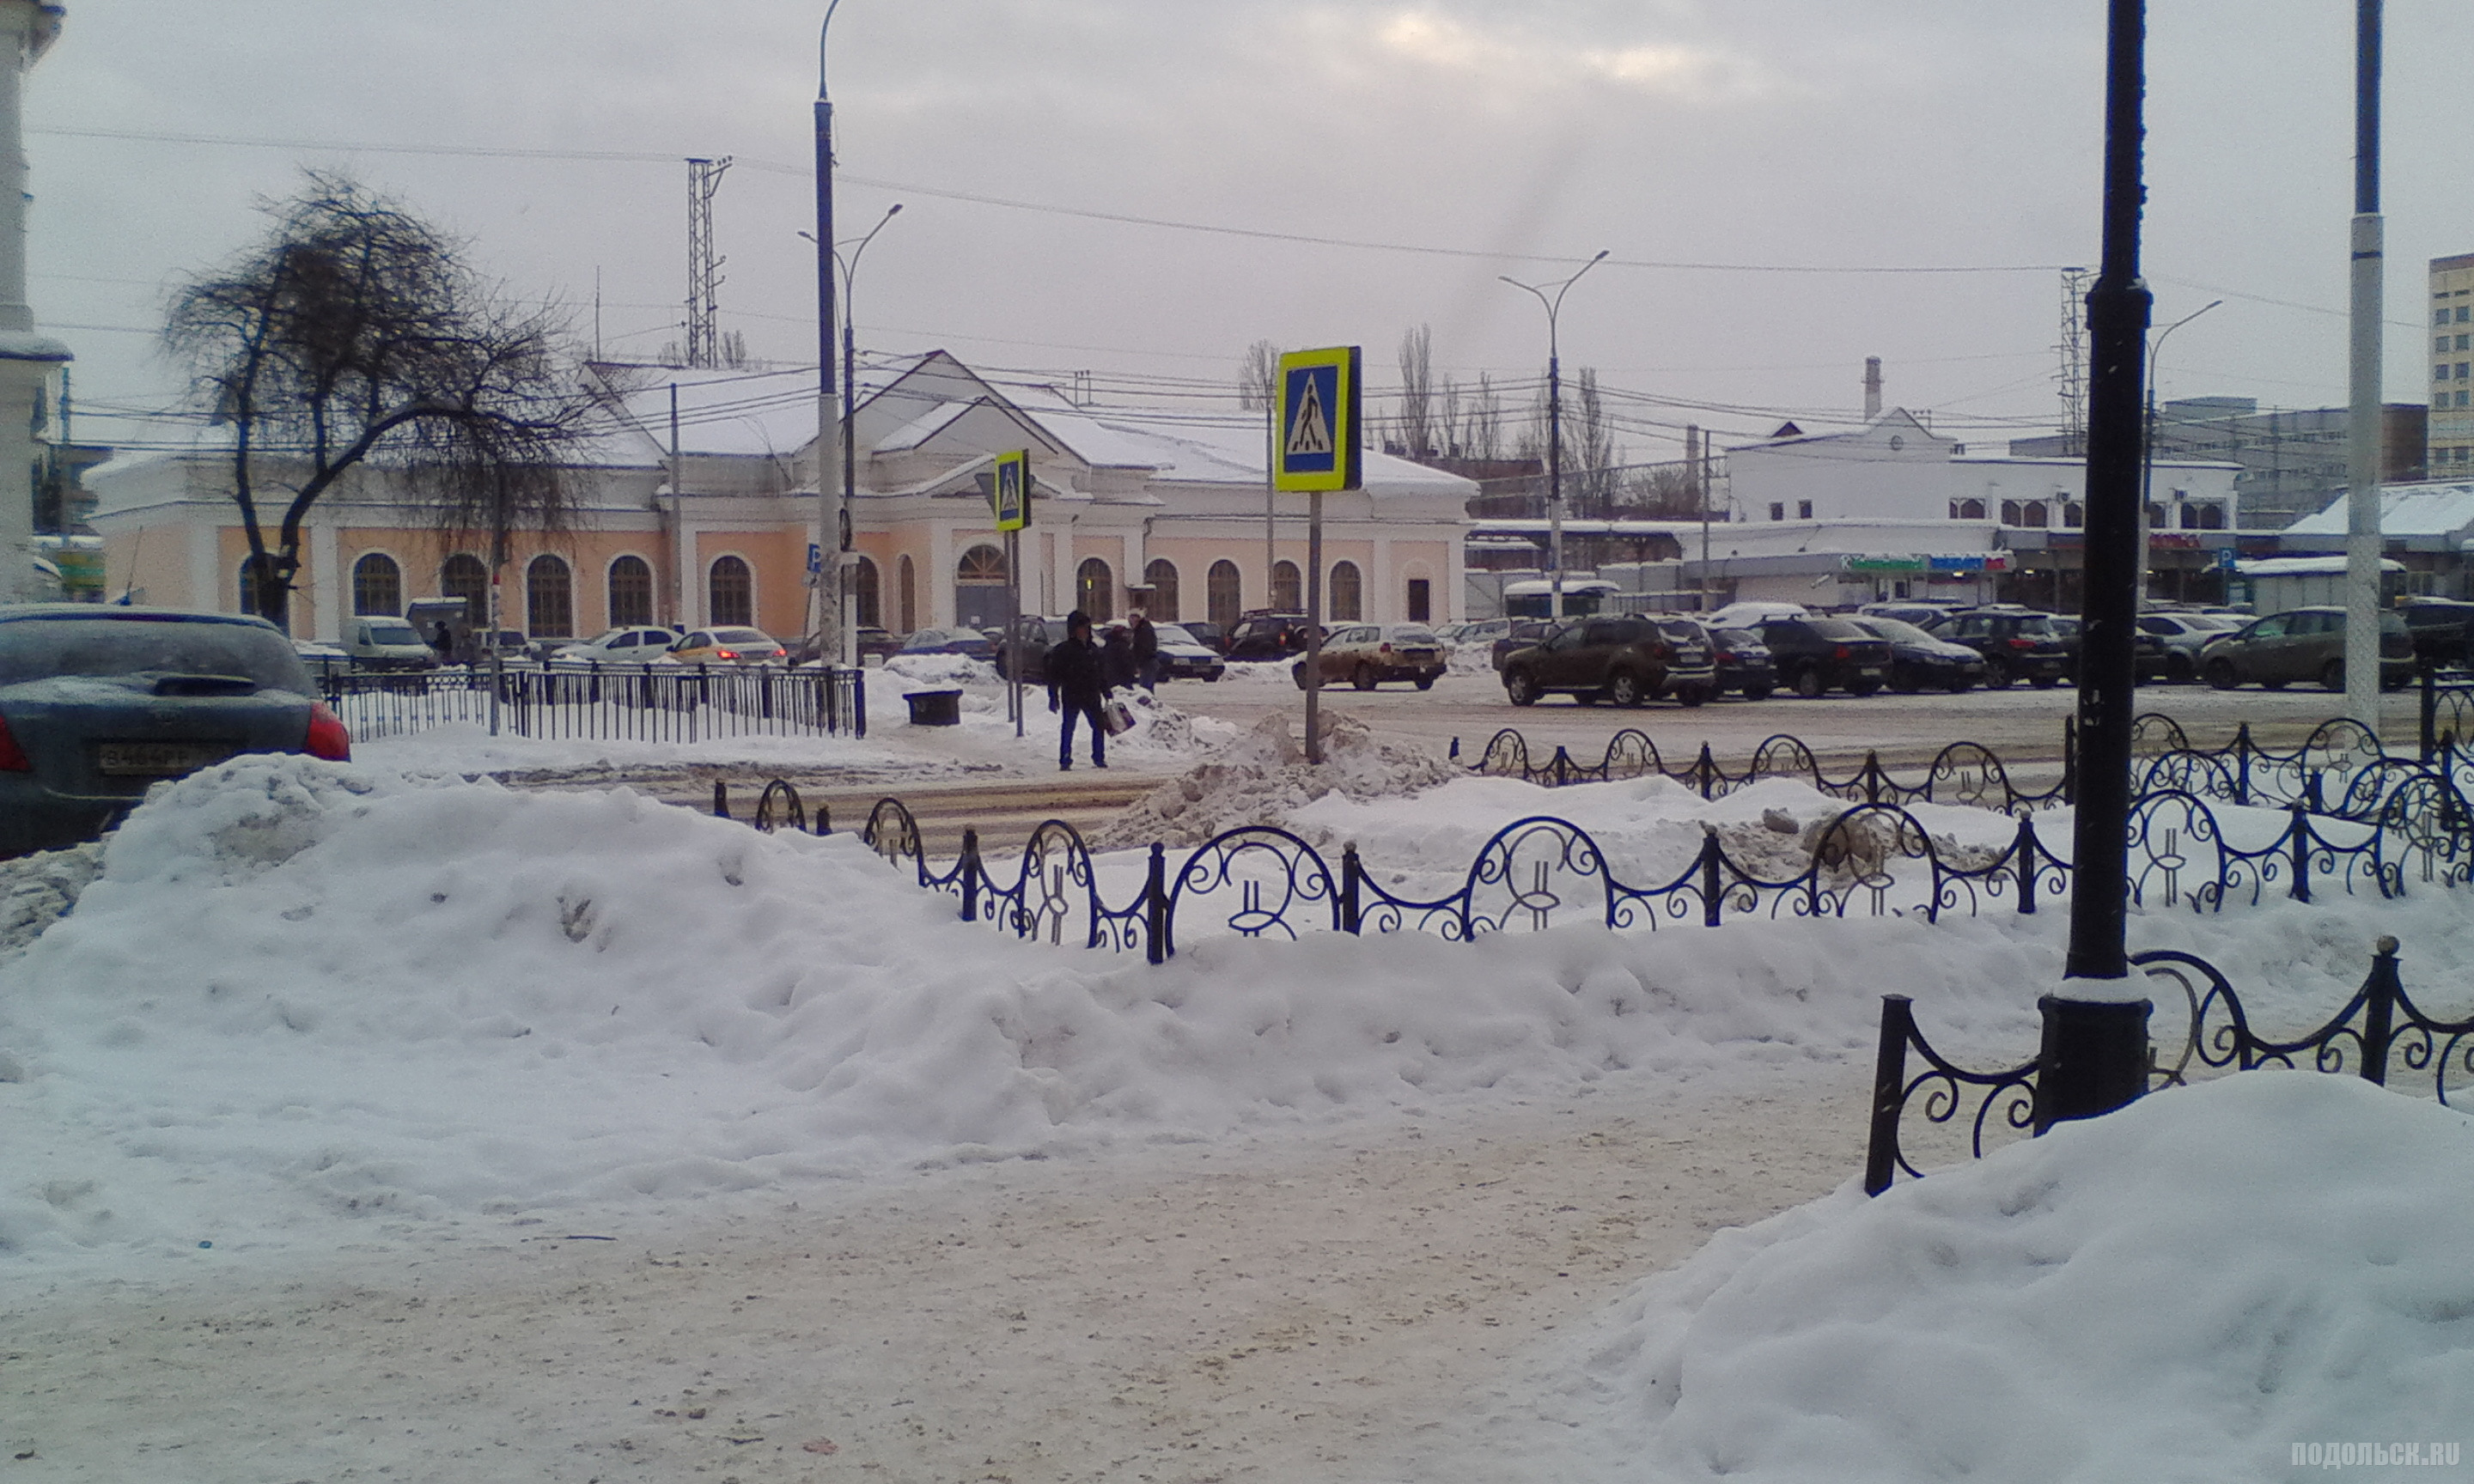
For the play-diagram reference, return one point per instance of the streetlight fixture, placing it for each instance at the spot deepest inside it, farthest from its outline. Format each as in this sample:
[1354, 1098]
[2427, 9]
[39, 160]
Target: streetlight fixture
[2148, 457]
[850, 406]
[1555, 427]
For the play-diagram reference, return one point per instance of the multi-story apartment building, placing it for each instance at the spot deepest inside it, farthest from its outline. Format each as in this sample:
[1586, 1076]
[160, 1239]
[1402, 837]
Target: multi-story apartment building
[2451, 436]
[2294, 463]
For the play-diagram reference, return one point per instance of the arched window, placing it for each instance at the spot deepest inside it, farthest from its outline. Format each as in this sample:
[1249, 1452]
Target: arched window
[550, 599]
[1160, 577]
[249, 586]
[1222, 596]
[865, 595]
[377, 585]
[465, 577]
[1348, 593]
[631, 592]
[906, 585]
[1285, 598]
[2010, 513]
[2032, 514]
[2203, 517]
[1094, 590]
[2073, 515]
[730, 592]
[980, 589]
[1967, 510]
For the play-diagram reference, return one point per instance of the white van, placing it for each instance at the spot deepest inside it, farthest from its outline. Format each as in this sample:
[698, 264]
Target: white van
[378, 643]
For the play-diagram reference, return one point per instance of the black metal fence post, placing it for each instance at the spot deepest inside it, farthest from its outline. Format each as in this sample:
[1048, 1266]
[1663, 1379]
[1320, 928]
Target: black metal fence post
[1352, 872]
[2298, 832]
[970, 873]
[1872, 775]
[2428, 732]
[2026, 848]
[1890, 1090]
[2242, 748]
[1155, 906]
[720, 800]
[2379, 1012]
[2093, 1059]
[859, 704]
[1705, 772]
[1709, 893]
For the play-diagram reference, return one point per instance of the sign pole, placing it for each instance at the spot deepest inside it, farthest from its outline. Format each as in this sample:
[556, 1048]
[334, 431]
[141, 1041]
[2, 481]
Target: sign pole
[1008, 487]
[1314, 627]
[1320, 449]
[1014, 628]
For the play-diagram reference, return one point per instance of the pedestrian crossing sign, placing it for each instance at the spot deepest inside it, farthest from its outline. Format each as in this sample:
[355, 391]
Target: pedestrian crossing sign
[1318, 442]
[1009, 491]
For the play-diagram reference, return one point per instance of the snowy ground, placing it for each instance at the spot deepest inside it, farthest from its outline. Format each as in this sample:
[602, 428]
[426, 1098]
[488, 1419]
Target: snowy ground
[364, 1124]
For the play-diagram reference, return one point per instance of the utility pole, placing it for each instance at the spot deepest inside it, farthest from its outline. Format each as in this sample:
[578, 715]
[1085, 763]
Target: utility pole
[1555, 427]
[2363, 421]
[832, 509]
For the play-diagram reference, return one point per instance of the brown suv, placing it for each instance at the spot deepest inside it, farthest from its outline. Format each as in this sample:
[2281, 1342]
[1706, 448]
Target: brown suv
[1624, 660]
[2303, 644]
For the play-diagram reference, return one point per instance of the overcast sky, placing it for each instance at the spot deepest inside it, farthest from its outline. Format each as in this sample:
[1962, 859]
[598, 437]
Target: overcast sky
[1447, 141]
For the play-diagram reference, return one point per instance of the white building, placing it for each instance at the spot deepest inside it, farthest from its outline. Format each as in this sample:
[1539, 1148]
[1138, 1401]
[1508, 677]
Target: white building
[29, 362]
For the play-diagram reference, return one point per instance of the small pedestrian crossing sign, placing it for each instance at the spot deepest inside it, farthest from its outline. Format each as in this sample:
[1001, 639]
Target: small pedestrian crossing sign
[1009, 491]
[1318, 440]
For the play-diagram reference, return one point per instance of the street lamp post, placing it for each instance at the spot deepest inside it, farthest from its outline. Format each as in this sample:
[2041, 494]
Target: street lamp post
[2148, 457]
[833, 509]
[1555, 427]
[850, 405]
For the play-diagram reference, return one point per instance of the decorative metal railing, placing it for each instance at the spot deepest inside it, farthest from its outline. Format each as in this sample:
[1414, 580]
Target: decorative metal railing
[1965, 773]
[2209, 1032]
[653, 704]
[1869, 860]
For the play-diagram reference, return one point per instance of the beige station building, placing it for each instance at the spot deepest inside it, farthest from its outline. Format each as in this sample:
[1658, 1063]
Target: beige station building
[716, 526]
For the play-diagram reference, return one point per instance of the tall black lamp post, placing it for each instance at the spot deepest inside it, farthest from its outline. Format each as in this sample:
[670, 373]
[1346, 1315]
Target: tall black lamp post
[2093, 1056]
[850, 405]
[833, 511]
[1555, 426]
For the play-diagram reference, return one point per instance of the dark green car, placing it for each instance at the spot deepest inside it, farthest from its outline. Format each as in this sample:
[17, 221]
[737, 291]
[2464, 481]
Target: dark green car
[2302, 644]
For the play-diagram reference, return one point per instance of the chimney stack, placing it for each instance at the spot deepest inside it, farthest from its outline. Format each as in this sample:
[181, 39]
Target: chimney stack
[1871, 387]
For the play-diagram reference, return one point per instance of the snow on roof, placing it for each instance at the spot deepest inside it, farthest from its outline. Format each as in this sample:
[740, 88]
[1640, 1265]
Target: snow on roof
[2433, 508]
[2304, 566]
[927, 426]
[722, 411]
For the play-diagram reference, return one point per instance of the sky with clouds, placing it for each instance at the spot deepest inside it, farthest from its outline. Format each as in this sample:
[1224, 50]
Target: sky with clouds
[1141, 189]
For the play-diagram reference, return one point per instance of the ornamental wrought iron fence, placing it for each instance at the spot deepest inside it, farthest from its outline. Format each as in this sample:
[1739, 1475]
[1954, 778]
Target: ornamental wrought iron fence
[649, 703]
[1872, 859]
[2209, 1032]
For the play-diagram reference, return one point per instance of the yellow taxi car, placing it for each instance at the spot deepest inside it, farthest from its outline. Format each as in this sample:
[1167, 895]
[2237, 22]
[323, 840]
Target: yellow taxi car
[729, 646]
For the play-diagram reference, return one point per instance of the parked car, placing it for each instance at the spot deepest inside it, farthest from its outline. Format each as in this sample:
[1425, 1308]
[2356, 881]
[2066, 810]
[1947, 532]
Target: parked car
[325, 662]
[729, 646]
[2440, 628]
[1184, 657]
[1743, 664]
[632, 645]
[1624, 660]
[378, 641]
[1753, 612]
[1518, 635]
[97, 703]
[1209, 634]
[1264, 634]
[2150, 659]
[1367, 655]
[1919, 661]
[2303, 644]
[1481, 630]
[967, 642]
[2017, 643]
[1917, 612]
[2184, 635]
[1033, 637]
[1816, 655]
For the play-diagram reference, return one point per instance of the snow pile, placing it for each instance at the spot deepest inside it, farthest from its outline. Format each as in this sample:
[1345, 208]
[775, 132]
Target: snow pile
[1263, 776]
[941, 671]
[1471, 658]
[2185, 1289]
[38, 890]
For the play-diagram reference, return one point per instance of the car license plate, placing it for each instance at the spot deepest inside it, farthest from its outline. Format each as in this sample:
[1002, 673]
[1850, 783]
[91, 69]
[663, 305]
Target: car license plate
[157, 759]
[1871, 672]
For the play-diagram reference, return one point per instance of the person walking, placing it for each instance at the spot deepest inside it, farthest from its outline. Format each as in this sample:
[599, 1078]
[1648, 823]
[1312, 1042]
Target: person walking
[1076, 687]
[1146, 643]
[1117, 668]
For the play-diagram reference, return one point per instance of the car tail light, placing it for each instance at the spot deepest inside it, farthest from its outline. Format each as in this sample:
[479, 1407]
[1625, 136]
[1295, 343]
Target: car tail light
[725, 654]
[12, 758]
[1841, 653]
[1384, 650]
[2023, 643]
[326, 738]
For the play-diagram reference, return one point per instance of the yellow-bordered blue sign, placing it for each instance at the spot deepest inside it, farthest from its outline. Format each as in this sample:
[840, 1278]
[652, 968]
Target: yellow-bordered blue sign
[1318, 445]
[1010, 491]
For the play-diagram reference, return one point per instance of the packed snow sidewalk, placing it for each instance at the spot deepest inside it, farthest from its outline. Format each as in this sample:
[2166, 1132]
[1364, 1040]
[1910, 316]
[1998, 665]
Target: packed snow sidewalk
[319, 1096]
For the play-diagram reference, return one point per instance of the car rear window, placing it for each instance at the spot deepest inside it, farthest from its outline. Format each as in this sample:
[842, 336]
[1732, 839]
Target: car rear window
[1683, 631]
[33, 649]
[741, 636]
[1412, 633]
[1840, 629]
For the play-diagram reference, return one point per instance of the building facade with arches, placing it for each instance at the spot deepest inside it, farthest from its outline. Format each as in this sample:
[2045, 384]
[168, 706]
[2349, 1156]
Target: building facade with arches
[698, 501]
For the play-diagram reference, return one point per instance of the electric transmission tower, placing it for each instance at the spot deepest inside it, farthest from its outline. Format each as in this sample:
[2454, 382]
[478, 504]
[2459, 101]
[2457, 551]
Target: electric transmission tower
[2073, 348]
[704, 264]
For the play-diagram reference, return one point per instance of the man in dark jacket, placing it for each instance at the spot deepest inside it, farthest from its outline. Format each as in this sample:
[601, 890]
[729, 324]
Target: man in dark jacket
[1146, 642]
[1073, 679]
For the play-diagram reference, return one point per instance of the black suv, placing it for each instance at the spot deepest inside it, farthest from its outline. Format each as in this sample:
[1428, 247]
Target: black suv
[1262, 635]
[2017, 643]
[1623, 660]
[1035, 637]
[1743, 662]
[1815, 655]
[2440, 629]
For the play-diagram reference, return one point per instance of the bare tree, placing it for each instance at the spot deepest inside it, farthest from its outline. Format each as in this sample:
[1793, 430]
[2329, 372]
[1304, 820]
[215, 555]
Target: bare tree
[1589, 447]
[1417, 393]
[1480, 434]
[353, 335]
[1256, 376]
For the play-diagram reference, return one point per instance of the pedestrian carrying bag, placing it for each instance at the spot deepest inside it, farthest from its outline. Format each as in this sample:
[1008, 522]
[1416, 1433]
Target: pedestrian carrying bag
[1119, 716]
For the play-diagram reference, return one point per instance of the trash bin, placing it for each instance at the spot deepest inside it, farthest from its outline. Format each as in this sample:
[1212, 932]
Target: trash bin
[936, 707]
